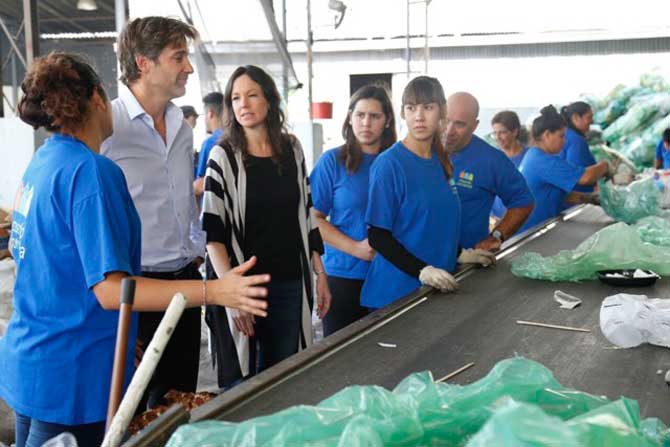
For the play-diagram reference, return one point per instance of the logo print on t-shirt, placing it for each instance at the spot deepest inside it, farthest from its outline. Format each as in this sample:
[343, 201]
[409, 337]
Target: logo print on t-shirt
[465, 179]
[21, 209]
[26, 198]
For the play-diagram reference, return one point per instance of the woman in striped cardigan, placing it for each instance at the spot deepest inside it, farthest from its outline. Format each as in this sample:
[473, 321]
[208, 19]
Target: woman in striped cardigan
[257, 202]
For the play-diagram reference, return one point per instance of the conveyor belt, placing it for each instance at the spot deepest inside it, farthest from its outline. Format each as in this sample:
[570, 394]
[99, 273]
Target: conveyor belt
[477, 324]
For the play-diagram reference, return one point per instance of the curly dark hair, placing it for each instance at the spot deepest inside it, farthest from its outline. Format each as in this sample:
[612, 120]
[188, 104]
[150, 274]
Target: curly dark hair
[149, 36]
[351, 153]
[57, 91]
[234, 137]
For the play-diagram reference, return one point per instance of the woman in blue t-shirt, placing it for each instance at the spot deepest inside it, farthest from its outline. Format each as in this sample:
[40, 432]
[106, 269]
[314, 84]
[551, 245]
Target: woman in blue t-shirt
[662, 159]
[75, 236]
[413, 213]
[550, 178]
[509, 134]
[340, 193]
[578, 117]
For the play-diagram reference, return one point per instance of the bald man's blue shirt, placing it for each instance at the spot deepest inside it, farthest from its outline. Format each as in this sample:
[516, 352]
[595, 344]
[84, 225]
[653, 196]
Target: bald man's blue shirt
[483, 172]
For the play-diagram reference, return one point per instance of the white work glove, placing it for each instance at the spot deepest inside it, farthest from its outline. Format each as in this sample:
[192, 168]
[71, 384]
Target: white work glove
[477, 256]
[438, 278]
[623, 178]
[613, 167]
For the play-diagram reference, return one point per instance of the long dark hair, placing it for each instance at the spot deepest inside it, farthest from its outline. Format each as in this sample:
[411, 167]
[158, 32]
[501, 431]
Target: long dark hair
[578, 107]
[424, 90]
[549, 119]
[351, 153]
[275, 120]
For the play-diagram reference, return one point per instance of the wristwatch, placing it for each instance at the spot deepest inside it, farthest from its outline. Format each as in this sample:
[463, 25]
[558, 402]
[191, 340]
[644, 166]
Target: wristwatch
[497, 235]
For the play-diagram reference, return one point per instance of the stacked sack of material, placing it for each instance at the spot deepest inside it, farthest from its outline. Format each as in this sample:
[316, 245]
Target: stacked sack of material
[632, 119]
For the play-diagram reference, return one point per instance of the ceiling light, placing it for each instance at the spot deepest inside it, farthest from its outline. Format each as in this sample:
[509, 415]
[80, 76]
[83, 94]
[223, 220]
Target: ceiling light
[87, 5]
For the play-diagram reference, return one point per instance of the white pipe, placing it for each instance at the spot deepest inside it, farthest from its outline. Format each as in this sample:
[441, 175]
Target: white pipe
[144, 372]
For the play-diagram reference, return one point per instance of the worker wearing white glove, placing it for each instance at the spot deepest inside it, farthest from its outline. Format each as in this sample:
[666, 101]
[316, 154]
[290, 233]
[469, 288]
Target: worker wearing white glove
[623, 178]
[438, 278]
[477, 256]
[613, 167]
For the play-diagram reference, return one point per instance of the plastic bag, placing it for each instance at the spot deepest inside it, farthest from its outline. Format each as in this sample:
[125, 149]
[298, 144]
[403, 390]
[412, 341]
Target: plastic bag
[654, 81]
[638, 116]
[631, 202]
[617, 246]
[615, 104]
[654, 230]
[631, 320]
[616, 424]
[417, 412]
[62, 440]
[641, 147]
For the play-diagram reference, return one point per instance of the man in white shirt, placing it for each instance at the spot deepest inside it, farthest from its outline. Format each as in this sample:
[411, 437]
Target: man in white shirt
[153, 146]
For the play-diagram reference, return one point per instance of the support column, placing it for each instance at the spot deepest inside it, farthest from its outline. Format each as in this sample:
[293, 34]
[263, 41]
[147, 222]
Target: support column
[31, 30]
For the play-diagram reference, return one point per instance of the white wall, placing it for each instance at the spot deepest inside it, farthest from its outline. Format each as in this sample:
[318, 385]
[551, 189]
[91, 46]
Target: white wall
[513, 83]
[17, 143]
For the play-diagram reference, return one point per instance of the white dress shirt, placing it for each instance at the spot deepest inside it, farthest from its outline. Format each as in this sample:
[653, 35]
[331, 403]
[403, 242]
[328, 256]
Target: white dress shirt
[160, 180]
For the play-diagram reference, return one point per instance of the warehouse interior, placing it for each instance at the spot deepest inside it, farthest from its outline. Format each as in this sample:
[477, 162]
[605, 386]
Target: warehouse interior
[549, 328]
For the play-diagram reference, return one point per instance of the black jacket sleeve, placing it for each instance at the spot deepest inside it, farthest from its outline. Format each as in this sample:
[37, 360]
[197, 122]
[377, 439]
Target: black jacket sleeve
[388, 246]
[315, 241]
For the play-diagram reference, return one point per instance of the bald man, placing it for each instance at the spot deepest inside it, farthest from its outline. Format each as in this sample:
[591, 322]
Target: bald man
[482, 172]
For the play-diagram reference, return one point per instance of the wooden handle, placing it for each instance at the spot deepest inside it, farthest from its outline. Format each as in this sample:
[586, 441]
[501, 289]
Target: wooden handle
[120, 351]
[552, 326]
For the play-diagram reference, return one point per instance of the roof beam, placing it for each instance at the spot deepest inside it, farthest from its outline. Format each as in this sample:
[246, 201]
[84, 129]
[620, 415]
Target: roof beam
[57, 14]
[12, 42]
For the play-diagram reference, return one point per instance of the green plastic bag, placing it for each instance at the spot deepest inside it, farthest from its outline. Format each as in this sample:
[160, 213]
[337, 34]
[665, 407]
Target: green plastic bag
[631, 202]
[654, 81]
[615, 104]
[617, 246]
[616, 424]
[638, 116]
[640, 147]
[417, 412]
[654, 230]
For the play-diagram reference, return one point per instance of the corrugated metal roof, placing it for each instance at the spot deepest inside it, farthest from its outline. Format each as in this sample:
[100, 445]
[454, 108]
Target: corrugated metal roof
[62, 16]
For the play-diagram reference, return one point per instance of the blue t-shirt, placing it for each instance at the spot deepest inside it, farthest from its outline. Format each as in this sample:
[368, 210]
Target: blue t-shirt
[75, 222]
[344, 198]
[205, 149]
[576, 151]
[483, 172]
[498, 210]
[411, 197]
[663, 154]
[550, 179]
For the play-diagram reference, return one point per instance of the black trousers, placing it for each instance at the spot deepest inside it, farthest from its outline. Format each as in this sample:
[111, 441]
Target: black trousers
[178, 367]
[345, 307]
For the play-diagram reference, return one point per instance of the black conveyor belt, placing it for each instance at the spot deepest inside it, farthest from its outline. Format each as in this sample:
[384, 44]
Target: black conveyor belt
[477, 324]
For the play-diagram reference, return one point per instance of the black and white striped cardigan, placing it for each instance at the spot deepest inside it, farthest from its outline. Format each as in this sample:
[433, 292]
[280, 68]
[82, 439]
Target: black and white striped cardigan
[223, 211]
